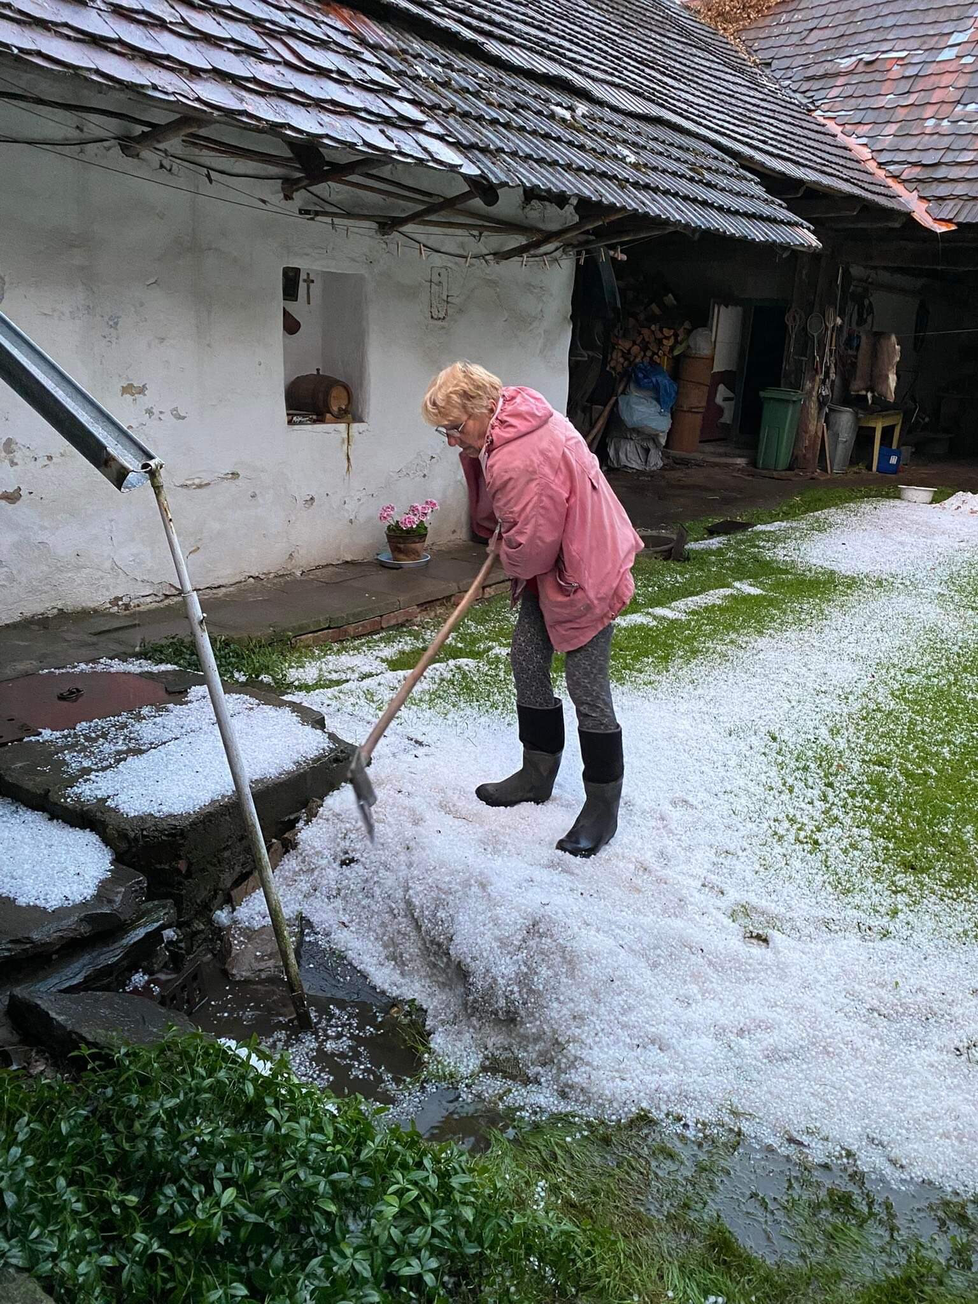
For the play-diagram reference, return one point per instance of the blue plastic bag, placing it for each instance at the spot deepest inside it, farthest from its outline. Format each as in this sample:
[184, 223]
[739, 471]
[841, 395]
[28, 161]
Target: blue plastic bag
[650, 376]
[641, 412]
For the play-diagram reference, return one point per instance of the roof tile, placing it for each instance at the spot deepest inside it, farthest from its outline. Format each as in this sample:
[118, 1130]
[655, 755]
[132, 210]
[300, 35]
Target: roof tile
[846, 64]
[354, 82]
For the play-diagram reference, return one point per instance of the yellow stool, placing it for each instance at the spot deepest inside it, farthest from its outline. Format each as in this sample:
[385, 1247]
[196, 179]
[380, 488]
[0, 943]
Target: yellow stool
[877, 422]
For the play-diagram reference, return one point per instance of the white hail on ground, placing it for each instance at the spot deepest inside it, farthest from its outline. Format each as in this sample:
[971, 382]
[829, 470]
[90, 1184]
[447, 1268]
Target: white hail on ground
[701, 965]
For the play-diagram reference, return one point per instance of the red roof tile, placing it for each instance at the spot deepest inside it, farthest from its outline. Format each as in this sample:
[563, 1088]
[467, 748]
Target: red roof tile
[845, 60]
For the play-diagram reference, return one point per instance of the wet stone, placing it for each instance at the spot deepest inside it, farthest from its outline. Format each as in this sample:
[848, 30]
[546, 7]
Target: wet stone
[16, 1288]
[192, 858]
[253, 953]
[102, 1020]
[326, 972]
[30, 931]
[102, 961]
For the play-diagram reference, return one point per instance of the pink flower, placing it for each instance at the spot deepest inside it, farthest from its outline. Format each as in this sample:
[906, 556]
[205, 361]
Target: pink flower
[409, 521]
[429, 506]
[387, 513]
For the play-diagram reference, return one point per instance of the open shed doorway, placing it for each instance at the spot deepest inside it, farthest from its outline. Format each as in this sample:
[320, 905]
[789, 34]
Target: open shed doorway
[762, 347]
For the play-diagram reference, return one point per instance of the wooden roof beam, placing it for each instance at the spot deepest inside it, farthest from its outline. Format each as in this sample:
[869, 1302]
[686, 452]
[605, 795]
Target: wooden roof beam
[331, 173]
[175, 129]
[562, 236]
[475, 190]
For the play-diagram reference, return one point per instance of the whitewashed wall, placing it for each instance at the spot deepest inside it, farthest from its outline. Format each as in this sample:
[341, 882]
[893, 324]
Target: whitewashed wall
[167, 306]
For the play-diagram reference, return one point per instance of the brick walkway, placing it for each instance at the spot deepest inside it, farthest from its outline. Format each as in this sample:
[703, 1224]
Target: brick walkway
[321, 606]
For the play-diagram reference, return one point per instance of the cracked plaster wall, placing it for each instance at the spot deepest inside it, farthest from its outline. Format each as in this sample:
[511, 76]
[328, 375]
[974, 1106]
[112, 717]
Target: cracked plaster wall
[167, 306]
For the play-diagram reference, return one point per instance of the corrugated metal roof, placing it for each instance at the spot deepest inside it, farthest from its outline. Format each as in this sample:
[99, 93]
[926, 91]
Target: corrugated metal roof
[901, 80]
[656, 60]
[357, 83]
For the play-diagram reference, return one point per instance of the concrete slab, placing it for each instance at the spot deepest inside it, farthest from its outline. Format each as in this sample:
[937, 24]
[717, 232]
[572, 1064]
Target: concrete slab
[191, 859]
[345, 570]
[329, 597]
[107, 622]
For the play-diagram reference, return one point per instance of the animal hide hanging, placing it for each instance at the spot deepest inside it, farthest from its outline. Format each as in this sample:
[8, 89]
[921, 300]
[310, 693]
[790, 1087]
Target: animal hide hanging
[885, 360]
[876, 366]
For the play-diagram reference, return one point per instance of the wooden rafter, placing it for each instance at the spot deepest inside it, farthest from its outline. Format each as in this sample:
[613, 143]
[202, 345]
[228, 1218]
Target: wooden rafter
[334, 172]
[172, 130]
[486, 194]
[562, 236]
[432, 223]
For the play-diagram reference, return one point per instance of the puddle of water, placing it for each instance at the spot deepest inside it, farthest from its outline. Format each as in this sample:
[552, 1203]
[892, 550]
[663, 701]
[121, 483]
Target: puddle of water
[784, 1208]
[357, 1046]
[780, 1206]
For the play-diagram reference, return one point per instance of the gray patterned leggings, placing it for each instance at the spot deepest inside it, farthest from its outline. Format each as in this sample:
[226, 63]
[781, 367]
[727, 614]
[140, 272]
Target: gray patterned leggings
[587, 670]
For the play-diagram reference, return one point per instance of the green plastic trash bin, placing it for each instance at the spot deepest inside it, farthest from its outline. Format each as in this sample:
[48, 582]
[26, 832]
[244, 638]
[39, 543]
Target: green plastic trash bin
[779, 425]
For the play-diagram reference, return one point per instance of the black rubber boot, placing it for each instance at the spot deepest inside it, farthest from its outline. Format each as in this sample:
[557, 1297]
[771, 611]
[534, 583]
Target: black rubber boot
[604, 767]
[542, 736]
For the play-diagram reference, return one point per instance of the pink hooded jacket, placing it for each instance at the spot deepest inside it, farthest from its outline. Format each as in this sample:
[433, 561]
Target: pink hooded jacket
[562, 524]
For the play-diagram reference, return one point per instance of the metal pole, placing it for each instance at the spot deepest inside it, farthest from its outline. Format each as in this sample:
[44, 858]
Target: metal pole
[242, 784]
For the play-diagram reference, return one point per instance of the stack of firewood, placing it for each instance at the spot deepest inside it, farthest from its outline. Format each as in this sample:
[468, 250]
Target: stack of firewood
[640, 342]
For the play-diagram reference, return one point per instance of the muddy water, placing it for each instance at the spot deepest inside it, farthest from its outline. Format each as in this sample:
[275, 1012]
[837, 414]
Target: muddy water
[780, 1206]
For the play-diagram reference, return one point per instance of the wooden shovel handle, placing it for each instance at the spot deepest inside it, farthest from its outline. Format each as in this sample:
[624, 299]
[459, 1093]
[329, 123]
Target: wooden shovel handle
[434, 647]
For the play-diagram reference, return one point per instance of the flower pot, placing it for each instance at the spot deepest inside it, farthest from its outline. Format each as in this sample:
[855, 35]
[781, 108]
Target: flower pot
[407, 545]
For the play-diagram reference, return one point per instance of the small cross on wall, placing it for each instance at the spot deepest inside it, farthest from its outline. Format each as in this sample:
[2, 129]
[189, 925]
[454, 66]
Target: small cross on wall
[308, 281]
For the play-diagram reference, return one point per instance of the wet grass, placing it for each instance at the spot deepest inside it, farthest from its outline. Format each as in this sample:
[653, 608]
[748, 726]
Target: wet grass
[789, 594]
[813, 498]
[662, 1215]
[259, 661]
[894, 790]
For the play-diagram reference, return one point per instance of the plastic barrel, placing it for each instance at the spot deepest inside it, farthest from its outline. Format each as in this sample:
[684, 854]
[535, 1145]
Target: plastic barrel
[779, 426]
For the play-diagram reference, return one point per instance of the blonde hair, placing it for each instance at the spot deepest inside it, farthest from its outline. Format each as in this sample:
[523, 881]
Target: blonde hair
[460, 391]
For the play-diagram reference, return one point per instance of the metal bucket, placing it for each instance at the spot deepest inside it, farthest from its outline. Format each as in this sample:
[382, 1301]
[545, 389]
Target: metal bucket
[843, 423]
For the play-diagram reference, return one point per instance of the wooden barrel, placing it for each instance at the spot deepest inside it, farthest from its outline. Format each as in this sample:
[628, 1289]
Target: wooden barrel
[687, 418]
[325, 395]
[684, 433]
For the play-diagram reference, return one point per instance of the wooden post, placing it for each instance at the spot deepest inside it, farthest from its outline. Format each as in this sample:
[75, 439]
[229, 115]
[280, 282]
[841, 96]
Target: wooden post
[822, 301]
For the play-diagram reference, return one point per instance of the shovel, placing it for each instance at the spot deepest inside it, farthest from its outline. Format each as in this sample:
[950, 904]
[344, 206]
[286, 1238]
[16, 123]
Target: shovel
[362, 787]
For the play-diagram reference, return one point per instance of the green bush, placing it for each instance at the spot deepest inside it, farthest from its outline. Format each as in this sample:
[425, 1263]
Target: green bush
[184, 1173]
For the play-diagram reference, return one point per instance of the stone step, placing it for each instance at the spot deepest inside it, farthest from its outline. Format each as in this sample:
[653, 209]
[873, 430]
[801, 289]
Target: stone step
[63, 1024]
[27, 932]
[16, 1288]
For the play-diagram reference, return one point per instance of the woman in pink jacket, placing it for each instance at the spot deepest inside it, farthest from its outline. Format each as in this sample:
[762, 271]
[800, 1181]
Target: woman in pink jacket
[568, 546]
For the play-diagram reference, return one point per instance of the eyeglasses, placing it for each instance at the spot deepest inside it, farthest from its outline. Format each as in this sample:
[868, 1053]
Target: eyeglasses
[449, 430]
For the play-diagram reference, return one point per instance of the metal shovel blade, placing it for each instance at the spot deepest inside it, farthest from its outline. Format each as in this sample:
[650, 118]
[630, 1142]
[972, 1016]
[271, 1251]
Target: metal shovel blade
[363, 790]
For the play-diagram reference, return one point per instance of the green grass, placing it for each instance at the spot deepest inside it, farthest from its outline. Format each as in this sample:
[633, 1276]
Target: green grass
[652, 1204]
[813, 498]
[258, 660]
[895, 787]
[792, 594]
